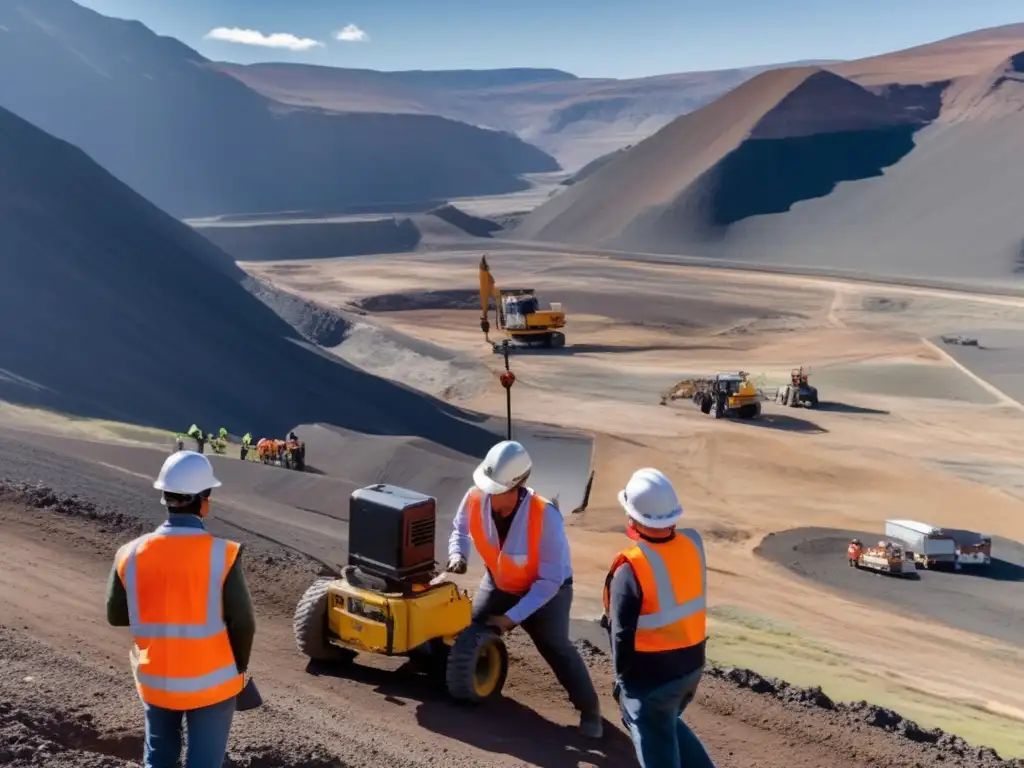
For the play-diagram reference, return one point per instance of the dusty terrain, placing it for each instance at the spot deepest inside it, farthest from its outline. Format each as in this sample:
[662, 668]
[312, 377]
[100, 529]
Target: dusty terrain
[897, 409]
[378, 714]
[897, 433]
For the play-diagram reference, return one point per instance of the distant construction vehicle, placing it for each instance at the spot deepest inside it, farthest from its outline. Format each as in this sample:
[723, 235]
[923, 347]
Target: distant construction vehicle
[965, 341]
[888, 558]
[728, 394]
[518, 316]
[931, 547]
[798, 391]
[972, 548]
[290, 453]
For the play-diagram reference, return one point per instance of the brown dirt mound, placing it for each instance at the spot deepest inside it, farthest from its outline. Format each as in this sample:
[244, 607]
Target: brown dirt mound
[783, 137]
[945, 747]
[990, 96]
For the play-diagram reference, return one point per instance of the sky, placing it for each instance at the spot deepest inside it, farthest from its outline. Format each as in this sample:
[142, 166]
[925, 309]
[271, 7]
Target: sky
[590, 38]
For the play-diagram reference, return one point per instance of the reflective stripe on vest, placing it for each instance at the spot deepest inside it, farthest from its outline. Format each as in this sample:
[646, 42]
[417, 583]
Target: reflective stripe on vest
[669, 611]
[166, 647]
[514, 566]
[665, 623]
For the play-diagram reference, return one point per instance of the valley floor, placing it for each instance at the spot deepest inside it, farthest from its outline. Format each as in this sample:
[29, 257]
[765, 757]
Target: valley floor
[898, 436]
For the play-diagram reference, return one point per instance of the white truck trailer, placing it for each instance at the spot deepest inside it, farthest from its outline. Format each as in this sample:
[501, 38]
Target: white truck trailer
[932, 547]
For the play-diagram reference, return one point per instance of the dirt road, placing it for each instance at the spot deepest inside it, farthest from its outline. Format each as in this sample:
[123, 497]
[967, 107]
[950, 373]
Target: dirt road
[66, 698]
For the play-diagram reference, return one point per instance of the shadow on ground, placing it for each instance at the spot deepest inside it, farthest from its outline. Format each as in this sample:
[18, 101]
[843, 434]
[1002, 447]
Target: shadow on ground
[583, 349]
[784, 423]
[997, 570]
[846, 408]
[496, 727]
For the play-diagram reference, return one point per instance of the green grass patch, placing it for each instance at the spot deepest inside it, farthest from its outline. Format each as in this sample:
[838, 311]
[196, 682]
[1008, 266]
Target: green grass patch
[742, 638]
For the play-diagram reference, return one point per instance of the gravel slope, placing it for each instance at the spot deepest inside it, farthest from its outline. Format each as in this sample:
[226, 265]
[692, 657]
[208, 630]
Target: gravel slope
[66, 697]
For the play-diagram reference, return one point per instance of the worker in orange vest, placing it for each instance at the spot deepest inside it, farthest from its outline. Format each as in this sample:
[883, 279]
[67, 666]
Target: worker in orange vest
[655, 611]
[528, 581]
[182, 593]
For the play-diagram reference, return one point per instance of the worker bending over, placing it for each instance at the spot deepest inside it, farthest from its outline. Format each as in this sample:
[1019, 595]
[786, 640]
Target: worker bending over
[182, 593]
[521, 538]
[654, 603]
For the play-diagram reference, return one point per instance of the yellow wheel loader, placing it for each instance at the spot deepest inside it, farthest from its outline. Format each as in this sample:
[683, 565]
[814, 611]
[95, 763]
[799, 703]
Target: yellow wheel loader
[518, 316]
[728, 394]
[389, 600]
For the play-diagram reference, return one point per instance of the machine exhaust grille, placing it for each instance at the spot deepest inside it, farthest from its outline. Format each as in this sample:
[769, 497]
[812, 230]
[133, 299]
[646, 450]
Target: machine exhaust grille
[421, 532]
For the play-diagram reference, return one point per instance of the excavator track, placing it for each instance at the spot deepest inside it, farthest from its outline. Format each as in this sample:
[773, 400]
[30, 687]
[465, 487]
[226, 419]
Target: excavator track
[553, 340]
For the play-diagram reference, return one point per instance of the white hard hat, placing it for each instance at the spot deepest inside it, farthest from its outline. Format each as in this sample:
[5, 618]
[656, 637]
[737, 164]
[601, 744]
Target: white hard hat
[650, 499]
[506, 466]
[187, 473]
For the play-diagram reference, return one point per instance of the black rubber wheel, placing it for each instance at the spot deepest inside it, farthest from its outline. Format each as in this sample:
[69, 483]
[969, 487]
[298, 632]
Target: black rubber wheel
[557, 340]
[310, 626]
[748, 411]
[706, 403]
[477, 665]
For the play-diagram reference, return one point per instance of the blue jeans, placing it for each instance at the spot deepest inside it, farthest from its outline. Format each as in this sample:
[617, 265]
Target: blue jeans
[654, 719]
[208, 730]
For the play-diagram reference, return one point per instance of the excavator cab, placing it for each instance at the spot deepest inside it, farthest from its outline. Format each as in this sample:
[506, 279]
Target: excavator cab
[517, 306]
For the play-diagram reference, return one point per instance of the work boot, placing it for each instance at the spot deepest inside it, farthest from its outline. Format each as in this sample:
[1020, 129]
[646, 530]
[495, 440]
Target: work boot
[591, 726]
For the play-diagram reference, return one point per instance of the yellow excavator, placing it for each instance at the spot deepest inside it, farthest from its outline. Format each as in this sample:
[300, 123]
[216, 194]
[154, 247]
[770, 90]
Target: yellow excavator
[518, 316]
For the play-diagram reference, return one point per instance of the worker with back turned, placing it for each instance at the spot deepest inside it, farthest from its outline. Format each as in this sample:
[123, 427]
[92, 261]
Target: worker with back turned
[521, 538]
[182, 593]
[655, 610]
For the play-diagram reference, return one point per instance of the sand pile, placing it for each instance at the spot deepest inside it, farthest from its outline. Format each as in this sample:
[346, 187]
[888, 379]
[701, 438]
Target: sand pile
[782, 137]
[991, 96]
[126, 314]
[805, 170]
[284, 238]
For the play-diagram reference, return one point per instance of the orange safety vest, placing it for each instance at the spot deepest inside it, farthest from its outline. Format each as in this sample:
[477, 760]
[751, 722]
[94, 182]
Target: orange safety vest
[514, 567]
[174, 580]
[673, 581]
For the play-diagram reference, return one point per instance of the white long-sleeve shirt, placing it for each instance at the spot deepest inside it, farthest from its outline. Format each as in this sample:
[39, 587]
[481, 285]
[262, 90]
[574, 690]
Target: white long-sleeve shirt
[555, 565]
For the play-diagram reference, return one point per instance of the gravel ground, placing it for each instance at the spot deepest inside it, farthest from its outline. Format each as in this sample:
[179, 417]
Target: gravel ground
[66, 698]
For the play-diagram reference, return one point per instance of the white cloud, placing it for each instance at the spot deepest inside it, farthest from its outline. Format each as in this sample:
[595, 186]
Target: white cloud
[254, 37]
[351, 34]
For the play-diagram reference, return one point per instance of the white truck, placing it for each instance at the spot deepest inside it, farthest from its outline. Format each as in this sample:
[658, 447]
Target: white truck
[931, 546]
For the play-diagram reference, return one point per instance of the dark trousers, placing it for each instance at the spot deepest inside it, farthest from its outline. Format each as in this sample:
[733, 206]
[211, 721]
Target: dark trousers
[654, 718]
[208, 730]
[548, 628]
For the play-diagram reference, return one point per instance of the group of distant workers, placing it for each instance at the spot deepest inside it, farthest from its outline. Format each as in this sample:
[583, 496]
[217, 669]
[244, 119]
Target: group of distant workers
[182, 593]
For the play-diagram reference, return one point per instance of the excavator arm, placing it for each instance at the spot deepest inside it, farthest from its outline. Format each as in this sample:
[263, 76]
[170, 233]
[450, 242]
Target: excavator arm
[488, 288]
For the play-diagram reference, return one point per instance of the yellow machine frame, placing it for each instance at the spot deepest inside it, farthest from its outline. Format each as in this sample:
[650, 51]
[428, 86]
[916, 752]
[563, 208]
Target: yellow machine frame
[394, 624]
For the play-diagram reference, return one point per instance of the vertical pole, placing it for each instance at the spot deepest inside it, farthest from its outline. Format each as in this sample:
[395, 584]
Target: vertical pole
[508, 393]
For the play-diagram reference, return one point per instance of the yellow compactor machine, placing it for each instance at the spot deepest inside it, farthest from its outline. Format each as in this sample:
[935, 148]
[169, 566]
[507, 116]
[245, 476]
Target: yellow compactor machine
[517, 314]
[390, 600]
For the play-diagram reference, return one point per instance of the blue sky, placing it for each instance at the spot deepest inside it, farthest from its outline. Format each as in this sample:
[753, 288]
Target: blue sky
[597, 38]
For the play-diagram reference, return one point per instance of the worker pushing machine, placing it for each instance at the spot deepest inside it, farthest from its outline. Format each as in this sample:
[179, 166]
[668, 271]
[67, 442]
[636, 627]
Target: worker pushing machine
[521, 538]
[182, 593]
[655, 611]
